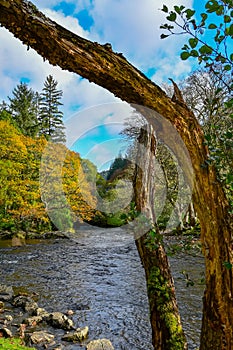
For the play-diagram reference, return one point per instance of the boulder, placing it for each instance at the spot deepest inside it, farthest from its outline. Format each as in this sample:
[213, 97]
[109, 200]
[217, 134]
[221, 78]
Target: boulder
[5, 333]
[100, 344]
[59, 320]
[41, 337]
[79, 334]
[6, 293]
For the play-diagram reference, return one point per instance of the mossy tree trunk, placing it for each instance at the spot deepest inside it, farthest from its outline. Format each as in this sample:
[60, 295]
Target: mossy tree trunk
[110, 70]
[167, 331]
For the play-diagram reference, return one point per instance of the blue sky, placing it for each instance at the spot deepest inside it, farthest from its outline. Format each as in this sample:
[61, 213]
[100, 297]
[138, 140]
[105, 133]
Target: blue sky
[130, 25]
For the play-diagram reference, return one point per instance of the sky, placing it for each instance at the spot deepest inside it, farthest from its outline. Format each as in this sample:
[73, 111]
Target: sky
[132, 27]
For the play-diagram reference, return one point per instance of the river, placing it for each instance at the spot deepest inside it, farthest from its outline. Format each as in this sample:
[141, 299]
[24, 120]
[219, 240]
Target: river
[98, 274]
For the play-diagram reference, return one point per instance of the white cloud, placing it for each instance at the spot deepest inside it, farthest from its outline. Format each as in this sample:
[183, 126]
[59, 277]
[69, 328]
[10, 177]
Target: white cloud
[171, 68]
[112, 115]
[16, 62]
[131, 26]
[68, 22]
[104, 153]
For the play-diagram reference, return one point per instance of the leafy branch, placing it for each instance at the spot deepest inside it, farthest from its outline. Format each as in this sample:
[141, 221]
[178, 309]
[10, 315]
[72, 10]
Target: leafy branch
[182, 21]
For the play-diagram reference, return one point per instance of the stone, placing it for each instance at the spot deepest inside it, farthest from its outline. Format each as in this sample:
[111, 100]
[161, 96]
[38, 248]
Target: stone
[41, 337]
[100, 344]
[17, 242]
[33, 321]
[26, 302]
[8, 318]
[5, 333]
[6, 292]
[69, 312]
[22, 300]
[79, 334]
[42, 312]
[59, 320]
[31, 307]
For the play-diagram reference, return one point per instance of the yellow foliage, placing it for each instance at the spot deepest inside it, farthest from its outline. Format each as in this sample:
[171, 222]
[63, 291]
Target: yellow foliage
[23, 177]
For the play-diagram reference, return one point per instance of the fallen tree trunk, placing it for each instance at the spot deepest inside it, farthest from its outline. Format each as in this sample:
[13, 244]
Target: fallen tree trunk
[112, 71]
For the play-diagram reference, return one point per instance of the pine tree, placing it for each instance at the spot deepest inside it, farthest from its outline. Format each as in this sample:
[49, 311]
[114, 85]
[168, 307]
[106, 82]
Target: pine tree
[23, 109]
[50, 117]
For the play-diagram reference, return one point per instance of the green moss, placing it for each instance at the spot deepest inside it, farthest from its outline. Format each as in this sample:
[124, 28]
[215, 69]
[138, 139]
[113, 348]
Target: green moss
[160, 293]
[13, 344]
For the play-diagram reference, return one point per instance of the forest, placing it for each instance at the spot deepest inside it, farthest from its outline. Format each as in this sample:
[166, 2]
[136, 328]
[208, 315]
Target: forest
[199, 109]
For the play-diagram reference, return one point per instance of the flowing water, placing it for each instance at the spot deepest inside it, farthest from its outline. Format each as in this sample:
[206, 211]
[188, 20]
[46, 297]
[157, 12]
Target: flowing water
[98, 274]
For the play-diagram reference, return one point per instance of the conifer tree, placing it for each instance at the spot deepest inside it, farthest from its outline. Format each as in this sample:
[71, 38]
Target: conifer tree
[50, 116]
[23, 109]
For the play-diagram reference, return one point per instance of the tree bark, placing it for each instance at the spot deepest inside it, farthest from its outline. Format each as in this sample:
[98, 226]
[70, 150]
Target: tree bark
[112, 71]
[167, 331]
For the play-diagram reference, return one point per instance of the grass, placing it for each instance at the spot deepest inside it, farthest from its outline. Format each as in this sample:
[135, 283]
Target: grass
[13, 344]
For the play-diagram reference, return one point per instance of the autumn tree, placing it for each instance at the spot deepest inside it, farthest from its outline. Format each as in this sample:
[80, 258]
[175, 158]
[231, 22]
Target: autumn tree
[20, 202]
[101, 65]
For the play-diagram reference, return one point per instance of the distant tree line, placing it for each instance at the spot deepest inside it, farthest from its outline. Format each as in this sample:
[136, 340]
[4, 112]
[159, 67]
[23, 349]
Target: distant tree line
[36, 114]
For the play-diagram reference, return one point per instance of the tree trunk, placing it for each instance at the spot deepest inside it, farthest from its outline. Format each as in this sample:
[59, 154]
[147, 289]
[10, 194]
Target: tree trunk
[167, 331]
[110, 70]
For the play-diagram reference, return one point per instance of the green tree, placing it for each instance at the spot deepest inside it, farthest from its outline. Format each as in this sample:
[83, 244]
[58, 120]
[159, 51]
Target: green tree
[50, 116]
[23, 109]
[215, 52]
[208, 96]
[216, 21]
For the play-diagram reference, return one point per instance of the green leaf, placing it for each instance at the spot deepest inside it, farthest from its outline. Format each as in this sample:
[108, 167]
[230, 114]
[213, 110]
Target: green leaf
[193, 42]
[172, 17]
[163, 36]
[189, 13]
[177, 9]
[227, 67]
[231, 56]
[205, 50]
[227, 265]
[229, 136]
[227, 19]
[231, 30]
[220, 11]
[165, 9]
[204, 16]
[194, 53]
[212, 26]
[185, 55]
[222, 59]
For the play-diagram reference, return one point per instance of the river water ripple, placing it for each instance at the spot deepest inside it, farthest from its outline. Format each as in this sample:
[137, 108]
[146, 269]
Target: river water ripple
[98, 274]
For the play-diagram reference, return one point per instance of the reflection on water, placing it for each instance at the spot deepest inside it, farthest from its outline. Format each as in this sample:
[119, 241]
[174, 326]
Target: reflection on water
[98, 274]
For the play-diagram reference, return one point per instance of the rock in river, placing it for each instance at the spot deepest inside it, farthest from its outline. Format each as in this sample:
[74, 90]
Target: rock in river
[41, 337]
[6, 293]
[100, 344]
[59, 320]
[78, 335]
